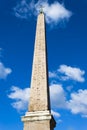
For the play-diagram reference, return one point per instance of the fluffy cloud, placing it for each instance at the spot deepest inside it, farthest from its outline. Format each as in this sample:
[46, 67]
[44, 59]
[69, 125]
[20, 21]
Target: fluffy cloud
[57, 96]
[78, 102]
[55, 12]
[71, 73]
[20, 97]
[52, 75]
[65, 72]
[4, 72]
[56, 114]
[23, 9]
[69, 88]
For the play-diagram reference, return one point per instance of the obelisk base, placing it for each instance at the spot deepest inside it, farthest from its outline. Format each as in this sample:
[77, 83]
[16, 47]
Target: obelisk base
[39, 120]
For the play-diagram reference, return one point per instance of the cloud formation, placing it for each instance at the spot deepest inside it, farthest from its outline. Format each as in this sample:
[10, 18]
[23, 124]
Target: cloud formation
[65, 73]
[23, 9]
[57, 96]
[52, 74]
[20, 97]
[56, 114]
[54, 12]
[71, 73]
[4, 72]
[78, 102]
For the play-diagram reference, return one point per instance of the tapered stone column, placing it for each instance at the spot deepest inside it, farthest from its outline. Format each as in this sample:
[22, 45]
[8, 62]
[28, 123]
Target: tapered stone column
[39, 116]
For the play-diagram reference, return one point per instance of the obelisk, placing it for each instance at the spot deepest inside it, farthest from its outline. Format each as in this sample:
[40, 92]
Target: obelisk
[39, 116]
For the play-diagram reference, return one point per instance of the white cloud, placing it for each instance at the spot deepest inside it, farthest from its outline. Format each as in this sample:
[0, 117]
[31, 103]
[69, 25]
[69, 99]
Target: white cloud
[20, 97]
[65, 72]
[78, 102]
[55, 12]
[4, 72]
[57, 96]
[69, 88]
[59, 121]
[52, 75]
[71, 73]
[56, 114]
[23, 9]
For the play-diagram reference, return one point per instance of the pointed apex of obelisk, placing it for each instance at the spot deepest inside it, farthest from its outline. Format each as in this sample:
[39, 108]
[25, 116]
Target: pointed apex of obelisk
[41, 9]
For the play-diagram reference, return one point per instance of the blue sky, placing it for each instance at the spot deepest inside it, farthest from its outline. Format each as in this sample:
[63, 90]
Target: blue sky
[66, 35]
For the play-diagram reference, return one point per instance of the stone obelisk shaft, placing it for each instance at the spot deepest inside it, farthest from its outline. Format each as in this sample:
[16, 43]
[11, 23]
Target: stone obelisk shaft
[39, 94]
[39, 116]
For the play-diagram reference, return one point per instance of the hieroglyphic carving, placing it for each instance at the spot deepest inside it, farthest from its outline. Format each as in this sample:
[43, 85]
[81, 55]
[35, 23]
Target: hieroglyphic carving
[38, 96]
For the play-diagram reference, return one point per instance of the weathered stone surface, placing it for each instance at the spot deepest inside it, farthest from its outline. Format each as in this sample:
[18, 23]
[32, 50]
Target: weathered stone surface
[40, 120]
[39, 116]
[37, 125]
[39, 82]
